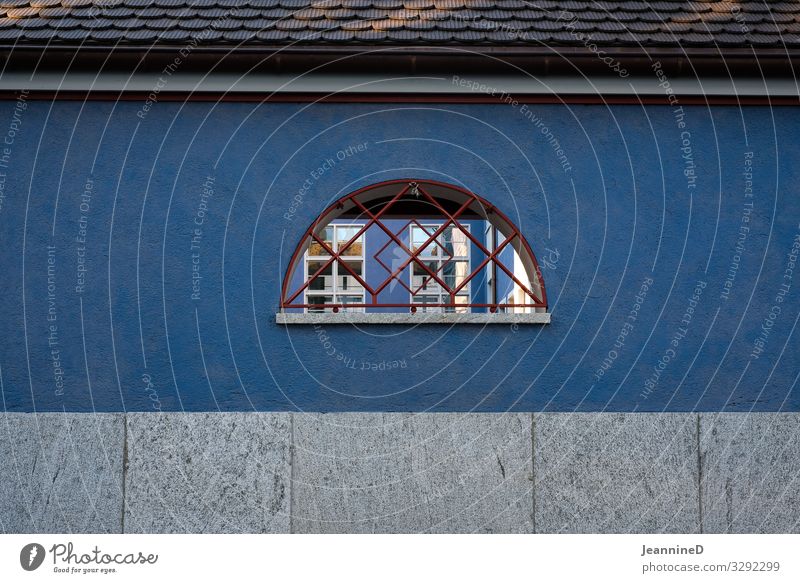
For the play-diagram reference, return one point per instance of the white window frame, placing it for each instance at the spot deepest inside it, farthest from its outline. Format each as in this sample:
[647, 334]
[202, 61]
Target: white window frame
[335, 293]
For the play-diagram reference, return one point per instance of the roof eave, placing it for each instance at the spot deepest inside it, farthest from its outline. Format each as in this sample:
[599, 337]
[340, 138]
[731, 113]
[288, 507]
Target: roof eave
[414, 58]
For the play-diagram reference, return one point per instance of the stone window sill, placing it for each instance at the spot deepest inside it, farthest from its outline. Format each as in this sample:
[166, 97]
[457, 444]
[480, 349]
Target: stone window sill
[408, 318]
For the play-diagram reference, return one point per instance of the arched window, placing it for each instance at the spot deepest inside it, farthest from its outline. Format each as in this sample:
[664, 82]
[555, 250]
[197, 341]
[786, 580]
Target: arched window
[410, 247]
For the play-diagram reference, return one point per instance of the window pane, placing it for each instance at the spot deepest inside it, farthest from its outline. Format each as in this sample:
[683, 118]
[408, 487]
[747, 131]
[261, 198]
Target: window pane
[316, 303]
[461, 302]
[419, 237]
[324, 281]
[426, 299]
[343, 235]
[420, 299]
[350, 300]
[347, 282]
[454, 273]
[420, 270]
[455, 241]
[317, 250]
[422, 279]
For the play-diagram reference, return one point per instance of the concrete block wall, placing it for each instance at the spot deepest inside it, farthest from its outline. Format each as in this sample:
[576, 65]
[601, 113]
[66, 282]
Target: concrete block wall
[399, 472]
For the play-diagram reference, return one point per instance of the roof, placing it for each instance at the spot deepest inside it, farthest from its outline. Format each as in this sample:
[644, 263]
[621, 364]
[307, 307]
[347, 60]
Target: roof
[425, 23]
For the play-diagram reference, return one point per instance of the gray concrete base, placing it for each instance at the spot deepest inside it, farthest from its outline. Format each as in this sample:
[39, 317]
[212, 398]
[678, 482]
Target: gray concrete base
[61, 473]
[208, 472]
[413, 473]
[612, 472]
[751, 472]
[399, 472]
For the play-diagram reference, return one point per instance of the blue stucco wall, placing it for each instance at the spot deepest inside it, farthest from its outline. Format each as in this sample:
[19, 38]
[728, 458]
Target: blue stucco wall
[630, 245]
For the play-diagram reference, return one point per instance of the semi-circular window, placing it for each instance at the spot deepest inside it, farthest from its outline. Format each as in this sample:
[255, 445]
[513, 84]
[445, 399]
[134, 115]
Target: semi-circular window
[413, 251]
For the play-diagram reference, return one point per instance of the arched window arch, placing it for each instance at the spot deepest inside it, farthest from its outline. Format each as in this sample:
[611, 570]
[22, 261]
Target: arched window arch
[413, 246]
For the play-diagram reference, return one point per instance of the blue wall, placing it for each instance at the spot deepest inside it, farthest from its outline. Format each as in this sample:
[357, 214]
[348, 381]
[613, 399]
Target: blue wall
[637, 233]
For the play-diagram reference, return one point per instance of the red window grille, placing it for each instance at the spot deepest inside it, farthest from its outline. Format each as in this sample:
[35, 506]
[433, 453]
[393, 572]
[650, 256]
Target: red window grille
[420, 201]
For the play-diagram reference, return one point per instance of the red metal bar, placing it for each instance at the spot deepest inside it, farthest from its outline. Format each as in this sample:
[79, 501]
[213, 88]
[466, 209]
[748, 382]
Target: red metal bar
[340, 306]
[485, 261]
[414, 256]
[400, 244]
[389, 269]
[479, 244]
[436, 233]
[341, 262]
[330, 209]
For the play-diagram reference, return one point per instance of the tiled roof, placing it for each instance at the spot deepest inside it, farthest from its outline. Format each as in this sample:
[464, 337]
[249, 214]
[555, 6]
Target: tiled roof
[703, 23]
